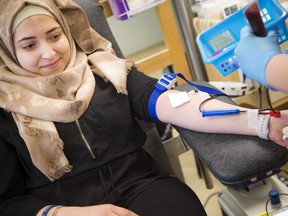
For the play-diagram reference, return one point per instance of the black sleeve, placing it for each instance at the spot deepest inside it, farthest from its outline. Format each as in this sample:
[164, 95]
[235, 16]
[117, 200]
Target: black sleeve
[14, 199]
[140, 87]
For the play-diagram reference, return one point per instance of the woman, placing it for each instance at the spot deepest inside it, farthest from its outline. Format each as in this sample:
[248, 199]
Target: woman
[69, 142]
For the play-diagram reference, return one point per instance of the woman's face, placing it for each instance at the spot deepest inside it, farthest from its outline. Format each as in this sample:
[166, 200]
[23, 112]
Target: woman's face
[41, 46]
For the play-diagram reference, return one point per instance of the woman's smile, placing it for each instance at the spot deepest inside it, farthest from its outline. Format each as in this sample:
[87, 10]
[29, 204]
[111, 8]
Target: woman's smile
[51, 65]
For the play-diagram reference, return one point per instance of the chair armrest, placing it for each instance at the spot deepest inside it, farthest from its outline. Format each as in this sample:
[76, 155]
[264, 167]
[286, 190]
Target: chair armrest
[236, 160]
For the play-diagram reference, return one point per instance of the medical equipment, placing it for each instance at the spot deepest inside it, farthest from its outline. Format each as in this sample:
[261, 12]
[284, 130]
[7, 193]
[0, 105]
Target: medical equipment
[254, 201]
[217, 43]
[168, 81]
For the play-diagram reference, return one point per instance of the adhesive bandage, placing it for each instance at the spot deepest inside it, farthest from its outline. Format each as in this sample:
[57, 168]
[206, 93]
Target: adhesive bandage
[177, 99]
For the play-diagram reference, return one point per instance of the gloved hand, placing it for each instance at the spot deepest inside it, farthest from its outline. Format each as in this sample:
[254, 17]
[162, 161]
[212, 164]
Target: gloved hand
[253, 53]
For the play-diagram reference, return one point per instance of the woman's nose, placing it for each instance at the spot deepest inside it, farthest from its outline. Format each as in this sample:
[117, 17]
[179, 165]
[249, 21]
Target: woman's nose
[47, 51]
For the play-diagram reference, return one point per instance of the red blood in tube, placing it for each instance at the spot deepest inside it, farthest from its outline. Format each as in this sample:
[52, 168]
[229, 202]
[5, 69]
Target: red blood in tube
[254, 18]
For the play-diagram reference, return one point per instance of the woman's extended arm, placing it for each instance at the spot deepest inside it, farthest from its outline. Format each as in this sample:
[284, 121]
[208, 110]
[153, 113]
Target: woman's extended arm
[188, 116]
[264, 63]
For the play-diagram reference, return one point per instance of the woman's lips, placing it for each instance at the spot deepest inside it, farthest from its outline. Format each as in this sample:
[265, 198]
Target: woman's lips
[51, 65]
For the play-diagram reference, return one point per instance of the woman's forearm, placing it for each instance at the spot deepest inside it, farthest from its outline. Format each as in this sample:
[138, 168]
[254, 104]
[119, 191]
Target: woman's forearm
[247, 123]
[189, 116]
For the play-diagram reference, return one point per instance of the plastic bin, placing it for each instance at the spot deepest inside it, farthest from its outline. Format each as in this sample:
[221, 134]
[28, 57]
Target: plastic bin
[217, 43]
[122, 10]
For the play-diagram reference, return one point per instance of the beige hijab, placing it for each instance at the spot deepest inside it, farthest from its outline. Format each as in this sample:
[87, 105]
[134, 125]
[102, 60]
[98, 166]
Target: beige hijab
[37, 101]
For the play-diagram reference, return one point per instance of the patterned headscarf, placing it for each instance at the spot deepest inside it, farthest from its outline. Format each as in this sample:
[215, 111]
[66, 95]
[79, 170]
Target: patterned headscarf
[37, 101]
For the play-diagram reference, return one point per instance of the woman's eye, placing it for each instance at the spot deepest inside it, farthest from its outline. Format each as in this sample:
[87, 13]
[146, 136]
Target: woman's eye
[55, 37]
[28, 46]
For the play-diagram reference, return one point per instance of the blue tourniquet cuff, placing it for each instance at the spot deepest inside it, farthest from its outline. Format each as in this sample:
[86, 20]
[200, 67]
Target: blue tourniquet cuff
[167, 81]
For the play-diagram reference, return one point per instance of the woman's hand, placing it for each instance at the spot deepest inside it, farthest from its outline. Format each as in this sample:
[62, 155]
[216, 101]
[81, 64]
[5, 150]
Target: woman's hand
[276, 126]
[96, 210]
[105, 210]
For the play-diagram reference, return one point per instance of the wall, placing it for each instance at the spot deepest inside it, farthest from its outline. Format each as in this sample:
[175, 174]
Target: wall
[137, 33]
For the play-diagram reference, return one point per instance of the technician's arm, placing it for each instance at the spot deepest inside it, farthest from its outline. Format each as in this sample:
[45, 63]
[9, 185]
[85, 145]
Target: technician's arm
[255, 53]
[188, 116]
[277, 72]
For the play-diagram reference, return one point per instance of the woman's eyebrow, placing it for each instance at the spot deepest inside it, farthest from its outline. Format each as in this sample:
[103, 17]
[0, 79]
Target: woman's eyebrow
[31, 37]
[53, 29]
[25, 38]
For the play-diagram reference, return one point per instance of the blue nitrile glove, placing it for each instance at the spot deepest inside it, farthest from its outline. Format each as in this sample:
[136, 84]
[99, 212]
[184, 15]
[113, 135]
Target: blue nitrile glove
[253, 53]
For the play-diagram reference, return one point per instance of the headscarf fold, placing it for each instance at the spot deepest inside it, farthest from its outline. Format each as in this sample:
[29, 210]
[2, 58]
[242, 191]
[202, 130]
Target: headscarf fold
[37, 101]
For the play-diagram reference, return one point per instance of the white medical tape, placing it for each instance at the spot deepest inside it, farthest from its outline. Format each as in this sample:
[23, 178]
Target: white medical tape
[203, 94]
[178, 99]
[252, 117]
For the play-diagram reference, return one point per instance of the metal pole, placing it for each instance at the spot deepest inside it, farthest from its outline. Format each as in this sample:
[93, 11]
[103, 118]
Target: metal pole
[185, 16]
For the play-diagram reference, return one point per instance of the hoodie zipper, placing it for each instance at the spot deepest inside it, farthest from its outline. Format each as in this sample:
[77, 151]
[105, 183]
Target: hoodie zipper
[85, 140]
